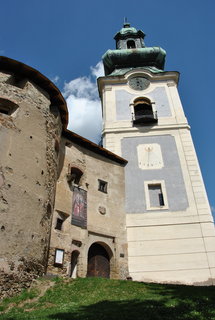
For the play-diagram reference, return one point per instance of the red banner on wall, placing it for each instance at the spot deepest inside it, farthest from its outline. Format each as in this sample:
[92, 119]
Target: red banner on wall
[79, 207]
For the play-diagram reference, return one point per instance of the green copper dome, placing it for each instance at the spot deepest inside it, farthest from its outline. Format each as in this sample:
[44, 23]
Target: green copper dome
[131, 52]
[127, 30]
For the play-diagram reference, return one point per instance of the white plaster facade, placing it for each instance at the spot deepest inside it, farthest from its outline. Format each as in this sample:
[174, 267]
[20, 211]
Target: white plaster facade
[175, 246]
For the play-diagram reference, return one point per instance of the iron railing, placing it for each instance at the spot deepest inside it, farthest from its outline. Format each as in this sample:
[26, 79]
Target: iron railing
[145, 117]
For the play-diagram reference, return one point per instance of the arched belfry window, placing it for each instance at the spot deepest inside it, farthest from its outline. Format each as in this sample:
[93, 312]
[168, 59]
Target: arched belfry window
[143, 112]
[131, 44]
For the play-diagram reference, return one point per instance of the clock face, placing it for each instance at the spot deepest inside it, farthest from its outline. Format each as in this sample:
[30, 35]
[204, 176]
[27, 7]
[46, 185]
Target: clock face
[139, 83]
[149, 156]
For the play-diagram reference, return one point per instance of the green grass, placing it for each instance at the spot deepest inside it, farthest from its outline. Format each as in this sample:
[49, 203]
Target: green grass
[26, 294]
[102, 299]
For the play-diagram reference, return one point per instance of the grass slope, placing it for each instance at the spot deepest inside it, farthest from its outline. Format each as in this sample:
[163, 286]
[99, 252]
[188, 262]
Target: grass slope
[103, 299]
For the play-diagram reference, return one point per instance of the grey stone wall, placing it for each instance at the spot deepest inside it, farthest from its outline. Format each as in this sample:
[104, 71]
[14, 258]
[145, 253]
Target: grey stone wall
[28, 173]
[105, 227]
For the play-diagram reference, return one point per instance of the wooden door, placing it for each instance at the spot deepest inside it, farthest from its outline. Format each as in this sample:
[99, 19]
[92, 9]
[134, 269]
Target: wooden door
[98, 262]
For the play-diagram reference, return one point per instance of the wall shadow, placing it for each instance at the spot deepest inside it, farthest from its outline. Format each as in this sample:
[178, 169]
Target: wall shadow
[172, 303]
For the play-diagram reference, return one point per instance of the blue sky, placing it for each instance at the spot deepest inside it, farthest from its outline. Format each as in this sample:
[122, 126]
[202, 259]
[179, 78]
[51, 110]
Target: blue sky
[66, 39]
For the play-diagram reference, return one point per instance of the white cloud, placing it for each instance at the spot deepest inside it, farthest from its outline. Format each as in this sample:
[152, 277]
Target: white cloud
[85, 117]
[98, 70]
[55, 79]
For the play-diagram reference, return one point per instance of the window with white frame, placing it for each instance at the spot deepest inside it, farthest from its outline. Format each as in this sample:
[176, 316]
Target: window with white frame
[156, 197]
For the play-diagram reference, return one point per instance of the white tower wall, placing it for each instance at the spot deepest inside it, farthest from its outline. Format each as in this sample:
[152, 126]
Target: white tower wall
[174, 242]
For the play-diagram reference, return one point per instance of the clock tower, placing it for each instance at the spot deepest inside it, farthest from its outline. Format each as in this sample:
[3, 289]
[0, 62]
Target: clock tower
[170, 229]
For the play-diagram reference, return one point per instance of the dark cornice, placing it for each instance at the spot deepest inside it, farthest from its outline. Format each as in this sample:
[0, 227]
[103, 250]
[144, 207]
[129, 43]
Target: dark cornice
[25, 71]
[89, 145]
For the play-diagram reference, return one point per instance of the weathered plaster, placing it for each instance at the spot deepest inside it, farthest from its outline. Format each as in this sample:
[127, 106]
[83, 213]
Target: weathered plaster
[107, 229]
[29, 173]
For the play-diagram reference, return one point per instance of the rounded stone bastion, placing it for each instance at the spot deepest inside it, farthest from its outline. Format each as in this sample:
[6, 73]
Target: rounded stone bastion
[32, 116]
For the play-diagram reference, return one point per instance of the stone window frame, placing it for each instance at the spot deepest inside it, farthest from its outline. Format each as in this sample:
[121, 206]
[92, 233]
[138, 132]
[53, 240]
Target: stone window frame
[163, 188]
[59, 223]
[61, 216]
[102, 186]
[7, 107]
[75, 175]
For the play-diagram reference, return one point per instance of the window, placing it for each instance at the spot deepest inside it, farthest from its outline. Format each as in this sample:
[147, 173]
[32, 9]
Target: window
[7, 107]
[17, 81]
[156, 197]
[131, 44]
[74, 175]
[143, 111]
[59, 256]
[59, 224]
[102, 186]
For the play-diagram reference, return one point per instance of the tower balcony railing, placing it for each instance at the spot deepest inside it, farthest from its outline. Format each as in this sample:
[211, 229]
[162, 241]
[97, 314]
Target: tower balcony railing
[145, 118]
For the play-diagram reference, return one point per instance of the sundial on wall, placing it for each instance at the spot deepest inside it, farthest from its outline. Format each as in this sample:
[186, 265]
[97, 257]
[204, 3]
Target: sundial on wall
[139, 83]
[150, 156]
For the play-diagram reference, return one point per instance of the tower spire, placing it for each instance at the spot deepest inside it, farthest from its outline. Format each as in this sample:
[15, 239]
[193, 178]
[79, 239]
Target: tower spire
[131, 52]
[126, 24]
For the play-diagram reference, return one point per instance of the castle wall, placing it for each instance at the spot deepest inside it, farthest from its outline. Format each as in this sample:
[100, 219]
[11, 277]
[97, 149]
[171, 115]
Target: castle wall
[105, 221]
[28, 173]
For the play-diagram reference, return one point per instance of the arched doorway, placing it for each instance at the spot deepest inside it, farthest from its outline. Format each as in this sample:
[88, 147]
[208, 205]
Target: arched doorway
[74, 263]
[98, 261]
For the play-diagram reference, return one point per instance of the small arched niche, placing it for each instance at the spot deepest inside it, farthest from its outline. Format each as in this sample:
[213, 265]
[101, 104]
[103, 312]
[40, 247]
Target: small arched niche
[143, 111]
[7, 106]
[74, 264]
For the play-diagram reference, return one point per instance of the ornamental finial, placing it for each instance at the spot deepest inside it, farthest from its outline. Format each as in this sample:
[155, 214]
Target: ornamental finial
[126, 23]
